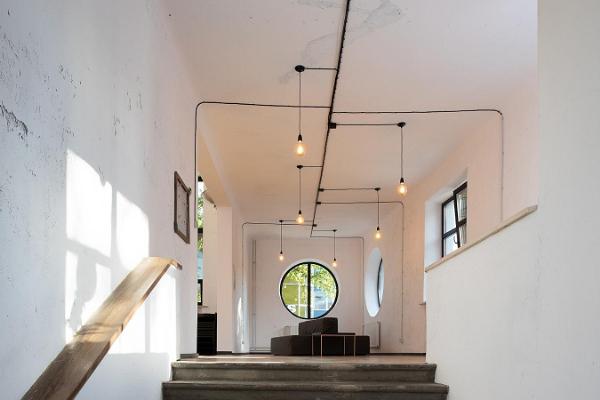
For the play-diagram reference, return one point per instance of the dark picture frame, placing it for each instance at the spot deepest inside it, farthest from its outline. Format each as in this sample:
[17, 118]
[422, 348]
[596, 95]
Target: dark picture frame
[181, 215]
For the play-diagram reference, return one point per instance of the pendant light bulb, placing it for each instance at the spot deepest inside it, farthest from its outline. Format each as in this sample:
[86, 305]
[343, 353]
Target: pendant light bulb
[402, 188]
[300, 218]
[377, 234]
[280, 240]
[300, 148]
[334, 263]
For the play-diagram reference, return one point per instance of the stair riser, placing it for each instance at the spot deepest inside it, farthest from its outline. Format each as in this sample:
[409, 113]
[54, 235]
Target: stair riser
[190, 394]
[248, 375]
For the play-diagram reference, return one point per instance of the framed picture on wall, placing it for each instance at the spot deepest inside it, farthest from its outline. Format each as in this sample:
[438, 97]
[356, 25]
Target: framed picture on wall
[181, 222]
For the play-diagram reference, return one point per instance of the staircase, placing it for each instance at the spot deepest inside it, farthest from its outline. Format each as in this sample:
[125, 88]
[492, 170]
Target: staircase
[302, 380]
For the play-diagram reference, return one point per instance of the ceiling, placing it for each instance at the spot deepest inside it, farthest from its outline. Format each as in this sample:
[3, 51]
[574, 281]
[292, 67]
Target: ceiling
[398, 55]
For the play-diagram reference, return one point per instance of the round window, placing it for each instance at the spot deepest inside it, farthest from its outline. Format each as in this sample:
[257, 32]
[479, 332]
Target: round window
[308, 290]
[374, 282]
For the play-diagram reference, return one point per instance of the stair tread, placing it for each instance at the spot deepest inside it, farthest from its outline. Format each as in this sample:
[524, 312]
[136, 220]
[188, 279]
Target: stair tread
[404, 387]
[304, 366]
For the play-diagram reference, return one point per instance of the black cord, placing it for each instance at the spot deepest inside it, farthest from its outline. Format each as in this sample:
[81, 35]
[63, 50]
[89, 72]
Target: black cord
[299, 189]
[320, 69]
[422, 111]
[341, 189]
[334, 244]
[365, 124]
[299, 103]
[377, 190]
[325, 203]
[401, 152]
[332, 103]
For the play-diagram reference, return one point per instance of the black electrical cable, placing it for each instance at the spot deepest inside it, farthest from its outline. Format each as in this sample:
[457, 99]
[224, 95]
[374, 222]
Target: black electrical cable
[422, 111]
[332, 103]
[324, 203]
[365, 124]
[320, 69]
[299, 103]
[342, 189]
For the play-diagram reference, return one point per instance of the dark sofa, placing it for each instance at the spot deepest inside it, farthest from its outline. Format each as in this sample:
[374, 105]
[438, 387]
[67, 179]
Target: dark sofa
[308, 341]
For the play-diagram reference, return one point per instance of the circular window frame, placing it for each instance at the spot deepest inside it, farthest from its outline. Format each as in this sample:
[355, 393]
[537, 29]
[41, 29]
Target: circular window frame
[370, 284]
[297, 264]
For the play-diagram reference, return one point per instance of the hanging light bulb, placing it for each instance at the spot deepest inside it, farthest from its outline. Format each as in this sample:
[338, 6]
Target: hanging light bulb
[402, 189]
[378, 231]
[334, 263]
[280, 240]
[300, 217]
[300, 148]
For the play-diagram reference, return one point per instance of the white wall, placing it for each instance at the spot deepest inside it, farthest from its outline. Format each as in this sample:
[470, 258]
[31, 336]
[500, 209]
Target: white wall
[96, 114]
[477, 160]
[270, 314]
[523, 303]
[480, 317]
[395, 306]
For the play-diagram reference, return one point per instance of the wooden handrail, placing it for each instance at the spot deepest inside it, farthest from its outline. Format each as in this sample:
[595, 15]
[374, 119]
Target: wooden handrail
[69, 371]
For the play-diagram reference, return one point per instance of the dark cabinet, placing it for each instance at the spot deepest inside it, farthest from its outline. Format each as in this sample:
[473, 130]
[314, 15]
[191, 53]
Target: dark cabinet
[207, 334]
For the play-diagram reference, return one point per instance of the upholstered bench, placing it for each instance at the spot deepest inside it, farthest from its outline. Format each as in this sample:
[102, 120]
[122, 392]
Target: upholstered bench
[314, 332]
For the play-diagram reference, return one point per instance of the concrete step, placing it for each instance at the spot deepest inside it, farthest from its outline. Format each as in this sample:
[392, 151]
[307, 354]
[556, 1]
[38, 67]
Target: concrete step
[271, 390]
[305, 372]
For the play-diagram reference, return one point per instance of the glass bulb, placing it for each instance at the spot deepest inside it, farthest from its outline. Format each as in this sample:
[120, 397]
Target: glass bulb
[300, 149]
[402, 189]
[300, 218]
[378, 234]
[281, 256]
[334, 263]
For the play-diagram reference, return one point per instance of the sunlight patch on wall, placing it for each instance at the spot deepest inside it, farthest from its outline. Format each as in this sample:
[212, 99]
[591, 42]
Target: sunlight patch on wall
[133, 338]
[163, 312]
[89, 205]
[132, 232]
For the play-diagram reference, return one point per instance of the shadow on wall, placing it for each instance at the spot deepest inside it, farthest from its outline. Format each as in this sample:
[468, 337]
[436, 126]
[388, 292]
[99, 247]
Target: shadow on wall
[84, 176]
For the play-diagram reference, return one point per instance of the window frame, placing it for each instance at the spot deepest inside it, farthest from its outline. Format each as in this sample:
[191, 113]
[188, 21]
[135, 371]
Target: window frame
[379, 282]
[309, 289]
[457, 224]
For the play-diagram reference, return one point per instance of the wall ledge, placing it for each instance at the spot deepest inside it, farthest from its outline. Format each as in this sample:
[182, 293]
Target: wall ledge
[505, 224]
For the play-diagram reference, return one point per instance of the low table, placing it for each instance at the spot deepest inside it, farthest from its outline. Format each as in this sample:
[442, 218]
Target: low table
[343, 335]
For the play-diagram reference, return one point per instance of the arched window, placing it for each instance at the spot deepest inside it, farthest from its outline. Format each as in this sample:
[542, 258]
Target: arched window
[308, 290]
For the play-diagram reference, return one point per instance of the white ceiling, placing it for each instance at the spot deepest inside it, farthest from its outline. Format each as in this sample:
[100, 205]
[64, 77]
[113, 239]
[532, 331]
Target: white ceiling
[399, 55]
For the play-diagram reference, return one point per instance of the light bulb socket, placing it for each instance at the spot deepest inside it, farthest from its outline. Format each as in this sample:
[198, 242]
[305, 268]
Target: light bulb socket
[377, 229]
[402, 180]
[300, 137]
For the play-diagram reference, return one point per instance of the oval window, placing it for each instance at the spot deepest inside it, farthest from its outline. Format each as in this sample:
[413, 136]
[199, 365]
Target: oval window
[374, 282]
[308, 290]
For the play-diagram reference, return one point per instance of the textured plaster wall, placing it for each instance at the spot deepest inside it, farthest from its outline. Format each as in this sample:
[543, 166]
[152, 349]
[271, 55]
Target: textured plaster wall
[517, 314]
[95, 115]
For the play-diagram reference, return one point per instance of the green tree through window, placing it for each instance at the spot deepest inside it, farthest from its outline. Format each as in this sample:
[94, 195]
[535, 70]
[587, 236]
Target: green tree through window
[309, 290]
